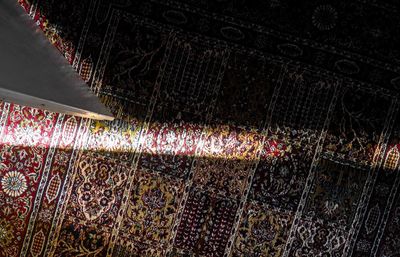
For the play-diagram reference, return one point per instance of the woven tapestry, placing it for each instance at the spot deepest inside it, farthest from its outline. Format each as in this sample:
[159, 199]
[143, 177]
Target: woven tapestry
[260, 128]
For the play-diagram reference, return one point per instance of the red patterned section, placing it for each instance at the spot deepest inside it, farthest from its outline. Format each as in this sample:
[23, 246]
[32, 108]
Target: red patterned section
[91, 208]
[206, 224]
[23, 152]
[53, 188]
[25, 5]
[64, 154]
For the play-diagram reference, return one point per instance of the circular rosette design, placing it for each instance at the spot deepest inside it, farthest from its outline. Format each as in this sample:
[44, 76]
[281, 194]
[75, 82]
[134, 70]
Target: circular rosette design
[14, 183]
[324, 17]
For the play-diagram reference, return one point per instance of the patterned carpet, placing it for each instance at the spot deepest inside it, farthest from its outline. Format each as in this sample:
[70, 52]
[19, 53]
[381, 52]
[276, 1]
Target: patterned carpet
[268, 128]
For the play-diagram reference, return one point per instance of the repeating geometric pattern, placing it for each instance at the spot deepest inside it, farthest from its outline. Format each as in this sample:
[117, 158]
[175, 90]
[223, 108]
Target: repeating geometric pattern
[242, 129]
[151, 212]
[205, 225]
[263, 231]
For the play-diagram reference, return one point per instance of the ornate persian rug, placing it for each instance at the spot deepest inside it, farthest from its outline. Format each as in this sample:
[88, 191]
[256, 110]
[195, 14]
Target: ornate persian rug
[243, 129]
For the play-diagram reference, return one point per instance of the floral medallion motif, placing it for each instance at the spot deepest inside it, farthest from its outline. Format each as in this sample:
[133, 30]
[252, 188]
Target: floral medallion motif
[14, 183]
[151, 210]
[96, 195]
[316, 238]
[93, 205]
[324, 17]
[262, 232]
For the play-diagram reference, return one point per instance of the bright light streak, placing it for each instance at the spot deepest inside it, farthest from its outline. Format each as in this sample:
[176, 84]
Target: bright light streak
[177, 139]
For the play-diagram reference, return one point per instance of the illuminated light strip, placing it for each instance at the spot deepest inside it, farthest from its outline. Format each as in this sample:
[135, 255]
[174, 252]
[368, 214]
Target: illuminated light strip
[109, 137]
[217, 142]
